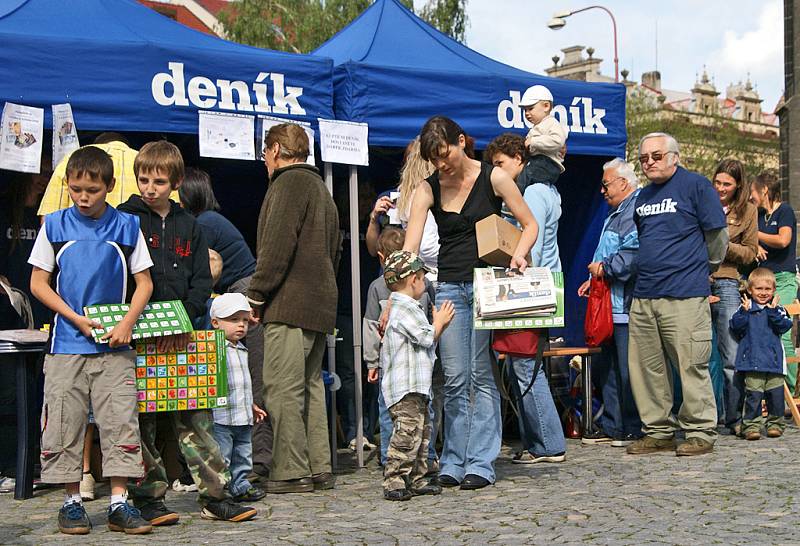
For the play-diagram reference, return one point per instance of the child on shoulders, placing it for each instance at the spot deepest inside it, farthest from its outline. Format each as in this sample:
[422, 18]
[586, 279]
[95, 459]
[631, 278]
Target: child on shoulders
[545, 140]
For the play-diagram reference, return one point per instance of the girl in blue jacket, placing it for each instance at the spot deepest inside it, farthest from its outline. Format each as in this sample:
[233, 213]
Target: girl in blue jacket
[759, 324]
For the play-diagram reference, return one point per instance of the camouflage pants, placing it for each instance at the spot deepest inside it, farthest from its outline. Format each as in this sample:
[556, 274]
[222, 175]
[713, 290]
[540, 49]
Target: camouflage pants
[407, 458]
[195, 433]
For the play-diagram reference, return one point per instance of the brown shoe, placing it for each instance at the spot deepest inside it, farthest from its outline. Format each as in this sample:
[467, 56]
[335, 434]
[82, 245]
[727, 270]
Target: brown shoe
[694, 446]
[648, 444]
[298, 485]
[752, 435]
[774, 432]
[323, 480]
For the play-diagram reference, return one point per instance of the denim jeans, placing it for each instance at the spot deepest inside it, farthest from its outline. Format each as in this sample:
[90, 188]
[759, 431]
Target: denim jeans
[234, 443]
[472, 423]
[539, 423]
[610, 375]
[721, 312]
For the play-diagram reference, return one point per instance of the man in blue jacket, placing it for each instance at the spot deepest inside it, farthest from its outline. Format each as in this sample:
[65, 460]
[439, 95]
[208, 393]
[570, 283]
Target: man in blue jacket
[614, 261]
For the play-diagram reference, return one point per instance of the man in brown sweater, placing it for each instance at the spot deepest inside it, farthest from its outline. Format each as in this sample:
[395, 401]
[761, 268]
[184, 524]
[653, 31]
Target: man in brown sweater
[293, 291]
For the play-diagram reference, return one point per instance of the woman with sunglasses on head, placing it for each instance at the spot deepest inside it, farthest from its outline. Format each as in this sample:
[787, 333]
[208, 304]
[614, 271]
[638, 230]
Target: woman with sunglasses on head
[742, 219]
[461, 192]
[777, 237]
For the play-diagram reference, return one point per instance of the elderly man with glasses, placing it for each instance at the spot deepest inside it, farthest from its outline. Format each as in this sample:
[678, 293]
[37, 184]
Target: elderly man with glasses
[682, 239]
[614, 261]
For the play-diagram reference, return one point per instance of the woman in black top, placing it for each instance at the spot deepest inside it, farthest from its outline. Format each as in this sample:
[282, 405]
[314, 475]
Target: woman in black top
[460, 193]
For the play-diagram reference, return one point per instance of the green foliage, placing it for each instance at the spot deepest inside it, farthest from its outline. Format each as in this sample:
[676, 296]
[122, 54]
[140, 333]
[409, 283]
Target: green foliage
[301, 26]
[704, 140]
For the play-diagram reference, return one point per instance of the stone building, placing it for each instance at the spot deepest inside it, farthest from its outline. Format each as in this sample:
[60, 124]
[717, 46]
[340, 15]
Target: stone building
[789, 110]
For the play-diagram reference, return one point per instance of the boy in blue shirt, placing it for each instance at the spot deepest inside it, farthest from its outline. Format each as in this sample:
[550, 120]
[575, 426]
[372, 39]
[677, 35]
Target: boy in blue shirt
[78, 370]
[759, 324]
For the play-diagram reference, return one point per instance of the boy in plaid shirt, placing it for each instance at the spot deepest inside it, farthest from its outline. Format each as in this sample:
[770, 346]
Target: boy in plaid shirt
[233, 424]
[407, 357]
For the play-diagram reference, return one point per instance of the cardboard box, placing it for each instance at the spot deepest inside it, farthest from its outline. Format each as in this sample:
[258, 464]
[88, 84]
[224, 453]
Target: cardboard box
[497, 240]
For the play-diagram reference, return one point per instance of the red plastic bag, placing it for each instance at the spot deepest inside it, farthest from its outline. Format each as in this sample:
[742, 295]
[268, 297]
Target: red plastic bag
[521, 343]
[598, 327]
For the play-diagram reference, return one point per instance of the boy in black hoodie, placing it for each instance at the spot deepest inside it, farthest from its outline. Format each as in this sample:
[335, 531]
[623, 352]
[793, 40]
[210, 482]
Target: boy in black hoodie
[181, 272]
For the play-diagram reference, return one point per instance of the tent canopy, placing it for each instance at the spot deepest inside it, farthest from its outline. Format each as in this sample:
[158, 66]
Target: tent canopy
[124, 67]
[393, 71]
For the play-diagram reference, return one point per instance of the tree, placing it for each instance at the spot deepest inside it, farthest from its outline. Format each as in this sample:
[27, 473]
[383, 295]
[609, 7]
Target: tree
[301, 26]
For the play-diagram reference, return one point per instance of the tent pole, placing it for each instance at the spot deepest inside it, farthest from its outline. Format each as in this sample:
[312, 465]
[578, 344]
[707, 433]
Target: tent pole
[355, 278]
[331, 342]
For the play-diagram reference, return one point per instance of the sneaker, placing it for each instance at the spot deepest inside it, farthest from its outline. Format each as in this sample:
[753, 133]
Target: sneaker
[323, 480]
[227, 510]
[181, 487]
[126, 518]
[396, 494]
[624, 441]
[158, 514]
[369, 446]
[648, 444]
[87, 486]
[752, 435]
[7, 485]
[594, 438]
[253, 494]
[694, 446]
[526, 457]
[772, 432]
[72, 519]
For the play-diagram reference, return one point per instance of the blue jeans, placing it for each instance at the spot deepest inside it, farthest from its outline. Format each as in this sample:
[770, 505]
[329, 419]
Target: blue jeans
[237, 449]
[539, 423]
[610, 375]
[386, 426]
[721, 313]
[472, 423]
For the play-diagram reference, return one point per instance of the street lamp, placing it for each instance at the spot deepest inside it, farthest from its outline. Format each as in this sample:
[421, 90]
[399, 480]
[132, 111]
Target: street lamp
[558, 22]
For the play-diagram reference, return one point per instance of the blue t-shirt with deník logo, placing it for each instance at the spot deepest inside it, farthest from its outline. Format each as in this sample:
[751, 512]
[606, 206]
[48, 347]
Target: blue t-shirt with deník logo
[671, 218]
[779, 259]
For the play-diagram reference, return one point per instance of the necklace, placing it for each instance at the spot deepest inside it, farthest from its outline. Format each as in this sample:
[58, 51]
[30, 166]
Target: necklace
[768, 215]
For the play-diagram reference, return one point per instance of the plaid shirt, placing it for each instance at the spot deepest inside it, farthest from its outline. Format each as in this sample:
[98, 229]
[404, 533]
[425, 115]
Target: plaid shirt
[408, 350]
[239, 410]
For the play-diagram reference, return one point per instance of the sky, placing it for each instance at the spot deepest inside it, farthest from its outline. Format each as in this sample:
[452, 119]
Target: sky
[731, 38]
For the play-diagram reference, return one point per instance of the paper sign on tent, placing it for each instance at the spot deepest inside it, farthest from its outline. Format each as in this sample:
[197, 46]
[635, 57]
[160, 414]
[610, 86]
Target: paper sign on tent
[268, 122]
[21, 138]
[344, 142]
[65, 135]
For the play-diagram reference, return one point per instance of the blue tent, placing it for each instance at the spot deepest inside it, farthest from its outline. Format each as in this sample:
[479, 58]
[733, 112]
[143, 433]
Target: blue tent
[393, 71]
[124, 67]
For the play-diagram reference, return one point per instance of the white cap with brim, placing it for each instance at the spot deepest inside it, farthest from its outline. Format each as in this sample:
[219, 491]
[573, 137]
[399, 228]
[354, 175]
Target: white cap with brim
[534, 94]
[227, 304]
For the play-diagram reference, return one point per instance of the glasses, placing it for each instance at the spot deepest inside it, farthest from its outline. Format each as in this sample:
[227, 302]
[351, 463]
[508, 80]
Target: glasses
[655, 156]
[604, 185]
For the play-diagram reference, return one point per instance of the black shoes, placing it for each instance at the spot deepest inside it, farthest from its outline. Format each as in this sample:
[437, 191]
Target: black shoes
[125, 518]
[251, 495]
[227, 510]
[448, 481]
[427, 489]
[396, 494]
[157, 514]
[72, 519]
[472, 481]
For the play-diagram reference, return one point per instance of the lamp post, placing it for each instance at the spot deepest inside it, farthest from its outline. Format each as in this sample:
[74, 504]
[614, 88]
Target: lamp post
[558, 22]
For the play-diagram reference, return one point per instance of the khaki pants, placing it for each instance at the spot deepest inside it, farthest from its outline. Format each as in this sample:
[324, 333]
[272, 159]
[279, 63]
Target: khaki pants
[70, 382]
[407, 456]
[678, 331]
[295, 400]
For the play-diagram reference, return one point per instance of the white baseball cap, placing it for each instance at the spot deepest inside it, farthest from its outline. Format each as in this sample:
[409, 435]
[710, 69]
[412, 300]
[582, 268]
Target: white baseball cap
[534, 94]
[226, 305]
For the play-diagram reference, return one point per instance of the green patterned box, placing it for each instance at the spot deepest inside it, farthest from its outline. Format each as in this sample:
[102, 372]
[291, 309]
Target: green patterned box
[194, 378]
[159, 318]
[554, 320]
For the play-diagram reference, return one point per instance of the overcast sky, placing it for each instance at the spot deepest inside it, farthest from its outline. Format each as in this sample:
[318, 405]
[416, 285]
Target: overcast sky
[729, 37]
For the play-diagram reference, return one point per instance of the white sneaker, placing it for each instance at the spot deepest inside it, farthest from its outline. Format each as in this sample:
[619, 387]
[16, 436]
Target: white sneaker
[367, 444]
[183, 488]
[87, 486]
[7, 484]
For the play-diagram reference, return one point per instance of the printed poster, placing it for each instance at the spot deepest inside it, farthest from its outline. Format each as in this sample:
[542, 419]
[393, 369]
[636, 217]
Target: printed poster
[267, 122]
[344, 142]
[65, 135]
[21, 138]
[226, 136]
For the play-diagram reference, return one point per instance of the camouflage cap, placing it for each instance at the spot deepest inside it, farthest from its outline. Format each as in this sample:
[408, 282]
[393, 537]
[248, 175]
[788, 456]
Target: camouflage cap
[400, 264]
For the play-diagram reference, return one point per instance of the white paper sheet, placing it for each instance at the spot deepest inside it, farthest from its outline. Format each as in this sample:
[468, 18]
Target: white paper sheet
[267, 122]
[65, 134]
[344, 142]
[226, 136]
[21, 138]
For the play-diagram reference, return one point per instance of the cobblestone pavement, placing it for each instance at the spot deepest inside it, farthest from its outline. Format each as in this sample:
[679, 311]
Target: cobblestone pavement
[745, 492]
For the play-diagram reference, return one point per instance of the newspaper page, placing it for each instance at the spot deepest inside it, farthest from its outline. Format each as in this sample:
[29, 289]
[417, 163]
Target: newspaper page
[65, 135]
[268, 122]
[506, 292]
[226, 136]
[21, 138]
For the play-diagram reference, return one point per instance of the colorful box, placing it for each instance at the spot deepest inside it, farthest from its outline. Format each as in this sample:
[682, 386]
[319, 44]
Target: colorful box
[149, 324]
[177, 387]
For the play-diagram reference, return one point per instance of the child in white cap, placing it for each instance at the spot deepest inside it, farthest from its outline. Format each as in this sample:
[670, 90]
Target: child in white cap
[233, 424]
[545, 140]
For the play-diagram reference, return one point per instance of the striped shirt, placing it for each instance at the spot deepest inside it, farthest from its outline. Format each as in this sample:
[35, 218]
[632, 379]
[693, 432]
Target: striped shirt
[239, 410]
[408, 350]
